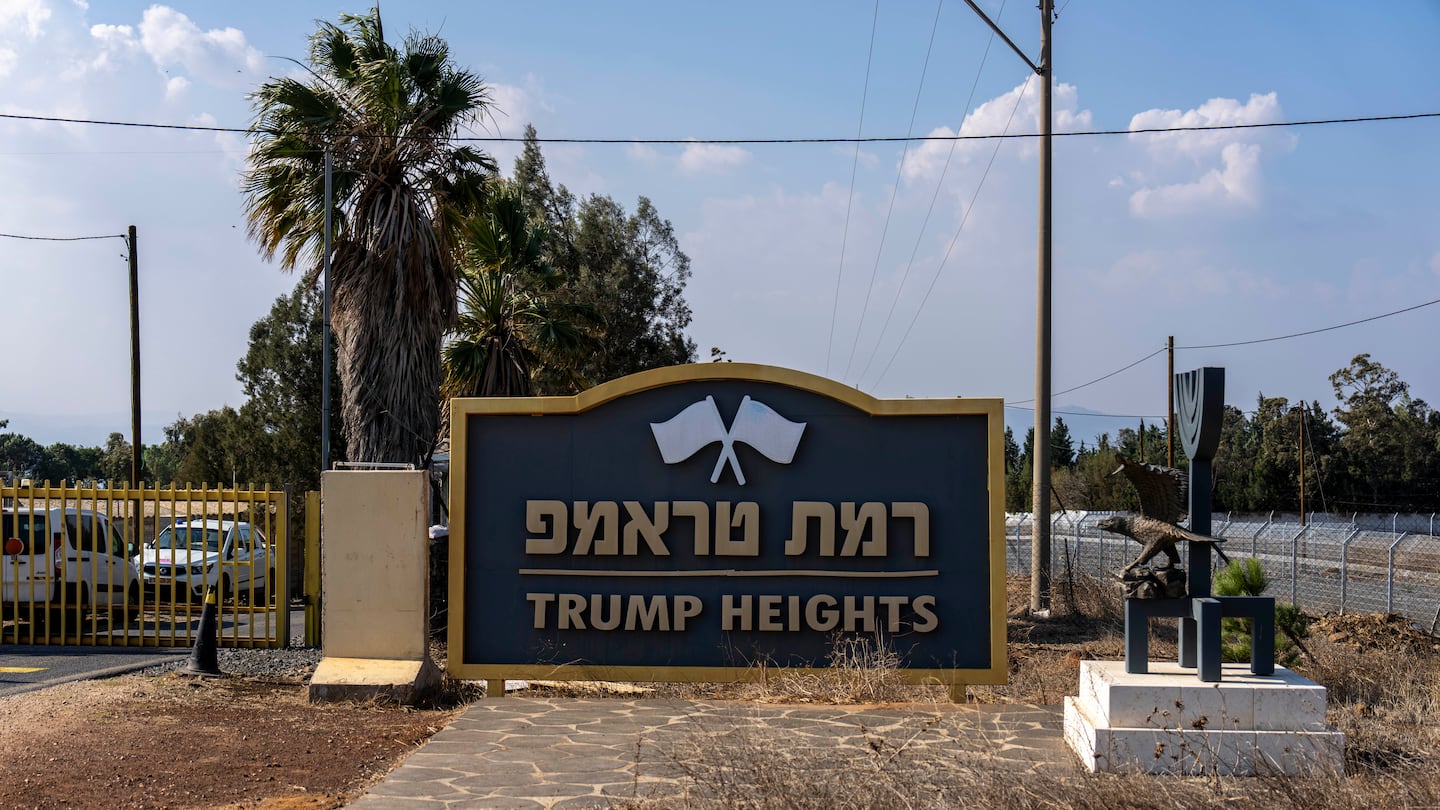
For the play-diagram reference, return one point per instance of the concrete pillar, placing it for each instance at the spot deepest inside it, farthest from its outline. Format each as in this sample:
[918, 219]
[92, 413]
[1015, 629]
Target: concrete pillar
[374, 562]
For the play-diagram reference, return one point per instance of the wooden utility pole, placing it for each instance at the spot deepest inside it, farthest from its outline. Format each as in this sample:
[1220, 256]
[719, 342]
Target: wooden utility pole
[1170, 405]
[136, 447]
[1040, 531]
[325, 323]
[1302, 463]
[1040, 569]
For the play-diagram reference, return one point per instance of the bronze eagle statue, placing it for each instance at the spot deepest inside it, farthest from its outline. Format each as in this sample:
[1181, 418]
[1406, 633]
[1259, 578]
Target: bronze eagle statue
[1162, 492]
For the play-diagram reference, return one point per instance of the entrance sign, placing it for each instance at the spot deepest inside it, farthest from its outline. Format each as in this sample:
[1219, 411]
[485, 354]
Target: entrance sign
[632, 533]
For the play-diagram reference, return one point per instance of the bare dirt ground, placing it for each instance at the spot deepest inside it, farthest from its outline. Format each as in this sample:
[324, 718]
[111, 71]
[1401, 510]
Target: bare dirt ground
[170, 741]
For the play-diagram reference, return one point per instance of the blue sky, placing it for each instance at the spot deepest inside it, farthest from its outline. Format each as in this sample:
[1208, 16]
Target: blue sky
[1210, 237]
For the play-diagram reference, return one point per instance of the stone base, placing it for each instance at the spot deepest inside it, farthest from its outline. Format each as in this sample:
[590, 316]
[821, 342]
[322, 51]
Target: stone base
[404, 682]
[1168, 721]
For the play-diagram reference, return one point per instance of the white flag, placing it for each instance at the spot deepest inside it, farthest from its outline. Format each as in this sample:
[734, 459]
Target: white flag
[759, 426]
[682, 435]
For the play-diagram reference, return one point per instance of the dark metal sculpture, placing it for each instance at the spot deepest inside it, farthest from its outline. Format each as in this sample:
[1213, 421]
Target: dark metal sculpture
[1199, 398]
[1162, 492]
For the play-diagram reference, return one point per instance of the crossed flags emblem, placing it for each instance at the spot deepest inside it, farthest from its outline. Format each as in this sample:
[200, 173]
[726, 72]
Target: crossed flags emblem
[756, 424]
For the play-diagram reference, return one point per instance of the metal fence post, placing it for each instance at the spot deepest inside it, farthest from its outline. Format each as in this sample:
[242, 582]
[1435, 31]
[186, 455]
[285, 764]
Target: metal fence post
[1390, 575]
[1295, 564]
[1345, 567]
[1077, 541]
[1254, 538]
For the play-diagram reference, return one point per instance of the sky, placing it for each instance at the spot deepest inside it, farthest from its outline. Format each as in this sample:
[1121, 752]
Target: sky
[902, 269]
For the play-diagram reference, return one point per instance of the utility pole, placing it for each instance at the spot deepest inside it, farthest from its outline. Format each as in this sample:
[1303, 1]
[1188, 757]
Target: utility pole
[1302, 463]
[325, 329]
[136, 466]
[1040, 566]
[1170, 404]
[1040, 550]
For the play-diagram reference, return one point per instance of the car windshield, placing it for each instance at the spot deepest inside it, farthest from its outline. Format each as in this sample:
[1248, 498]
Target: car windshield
[189, 537]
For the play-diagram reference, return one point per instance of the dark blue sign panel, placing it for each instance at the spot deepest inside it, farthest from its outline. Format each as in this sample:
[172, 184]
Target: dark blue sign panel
[679, 523]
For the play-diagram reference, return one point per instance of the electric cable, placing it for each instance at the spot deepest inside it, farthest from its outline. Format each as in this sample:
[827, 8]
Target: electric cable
[63, 238]
[1104, 378]
[757, 141]
[939, 184]
[850, 196]
[964, 219]
[1311, 331]
[894, 192]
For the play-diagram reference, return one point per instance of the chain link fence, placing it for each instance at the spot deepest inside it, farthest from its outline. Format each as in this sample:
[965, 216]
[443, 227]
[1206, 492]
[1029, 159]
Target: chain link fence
[1327, 563]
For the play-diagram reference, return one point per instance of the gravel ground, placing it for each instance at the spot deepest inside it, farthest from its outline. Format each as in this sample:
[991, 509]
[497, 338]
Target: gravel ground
[292, 665]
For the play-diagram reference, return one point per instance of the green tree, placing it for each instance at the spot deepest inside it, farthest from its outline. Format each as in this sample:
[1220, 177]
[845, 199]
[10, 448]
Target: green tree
[20, 455]
[1390, 440]
[1062, 447]
[401, 186]
[66, 462]
[628, 269]
[512, 321]
[115, 458]
[281, 375]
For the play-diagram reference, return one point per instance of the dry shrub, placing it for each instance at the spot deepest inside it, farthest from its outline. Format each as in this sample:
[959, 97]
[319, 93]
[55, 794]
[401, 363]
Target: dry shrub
[858, 669]
[1386, 701]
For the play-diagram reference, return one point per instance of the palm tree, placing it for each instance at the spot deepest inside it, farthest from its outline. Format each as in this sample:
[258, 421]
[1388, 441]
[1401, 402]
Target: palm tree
[402, 187]
[511, 318]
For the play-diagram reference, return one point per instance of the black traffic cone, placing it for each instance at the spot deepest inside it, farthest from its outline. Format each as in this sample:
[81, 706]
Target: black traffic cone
[203, 657]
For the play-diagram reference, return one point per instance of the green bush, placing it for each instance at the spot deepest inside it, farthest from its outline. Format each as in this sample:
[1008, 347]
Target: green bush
[1247, 578]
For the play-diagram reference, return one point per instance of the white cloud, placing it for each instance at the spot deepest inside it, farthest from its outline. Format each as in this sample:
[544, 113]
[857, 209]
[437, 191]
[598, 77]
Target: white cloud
[1227, 160]
[31, 14]
[220, 55]
[1235, 184]
[644, 153]
[700, 158]
[1017, 110]
[510, 110]
[1199, 146]
[8, 58]
[175, 88]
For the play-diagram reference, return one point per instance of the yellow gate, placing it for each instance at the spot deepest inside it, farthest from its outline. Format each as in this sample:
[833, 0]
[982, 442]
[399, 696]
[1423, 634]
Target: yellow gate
[91, 565]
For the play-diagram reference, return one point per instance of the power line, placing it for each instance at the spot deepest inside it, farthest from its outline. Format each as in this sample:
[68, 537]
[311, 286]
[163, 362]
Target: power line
[894, 192]
[757, 141]
[63, 238]
[939, 184]
[1104, 378]
[964, 219]
[850, 197]
[1311, 331]
[1010, 407]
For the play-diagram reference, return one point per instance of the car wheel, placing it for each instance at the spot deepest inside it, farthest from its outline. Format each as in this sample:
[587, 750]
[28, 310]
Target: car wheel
[225, 590]
[130, 609]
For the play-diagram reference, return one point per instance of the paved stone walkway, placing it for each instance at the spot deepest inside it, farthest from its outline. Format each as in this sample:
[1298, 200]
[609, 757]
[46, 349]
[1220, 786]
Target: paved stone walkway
[568, 753]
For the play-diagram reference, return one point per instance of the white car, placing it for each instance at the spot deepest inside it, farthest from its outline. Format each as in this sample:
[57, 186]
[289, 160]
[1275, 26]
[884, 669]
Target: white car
[65, 557]
[191, 556]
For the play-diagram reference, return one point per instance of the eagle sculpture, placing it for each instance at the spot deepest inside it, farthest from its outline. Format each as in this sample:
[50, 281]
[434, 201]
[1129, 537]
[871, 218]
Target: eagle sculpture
[1162, 492]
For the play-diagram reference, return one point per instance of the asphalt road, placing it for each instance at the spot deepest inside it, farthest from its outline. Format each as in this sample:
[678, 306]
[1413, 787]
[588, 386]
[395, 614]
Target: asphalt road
[24, 668]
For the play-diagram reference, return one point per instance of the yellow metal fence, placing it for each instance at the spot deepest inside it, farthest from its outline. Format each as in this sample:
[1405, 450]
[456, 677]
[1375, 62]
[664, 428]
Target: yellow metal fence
[90, 565]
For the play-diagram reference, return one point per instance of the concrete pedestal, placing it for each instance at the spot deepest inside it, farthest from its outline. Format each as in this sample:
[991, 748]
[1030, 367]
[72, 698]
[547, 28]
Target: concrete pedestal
[374, 576]
[1168, 721]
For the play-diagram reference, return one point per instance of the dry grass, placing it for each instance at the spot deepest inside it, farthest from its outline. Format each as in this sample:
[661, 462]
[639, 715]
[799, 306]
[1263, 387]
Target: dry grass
[1385, 697]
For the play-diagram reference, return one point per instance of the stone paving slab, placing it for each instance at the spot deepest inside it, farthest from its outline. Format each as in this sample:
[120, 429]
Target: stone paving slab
[571, 753]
